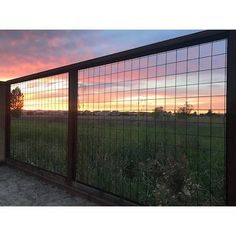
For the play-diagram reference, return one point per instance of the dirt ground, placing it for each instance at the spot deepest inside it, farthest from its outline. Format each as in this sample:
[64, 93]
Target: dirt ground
[18, 188]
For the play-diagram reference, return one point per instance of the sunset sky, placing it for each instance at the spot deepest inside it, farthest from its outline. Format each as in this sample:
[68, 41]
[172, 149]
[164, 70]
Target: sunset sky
[27, 52]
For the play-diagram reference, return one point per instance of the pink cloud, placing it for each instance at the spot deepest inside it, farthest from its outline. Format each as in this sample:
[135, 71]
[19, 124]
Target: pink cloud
[29, 52]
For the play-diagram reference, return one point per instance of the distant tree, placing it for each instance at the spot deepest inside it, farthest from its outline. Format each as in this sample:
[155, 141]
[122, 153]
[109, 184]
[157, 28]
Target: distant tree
[16, 102]
[186, 109]
[158, 111]
[209, 112]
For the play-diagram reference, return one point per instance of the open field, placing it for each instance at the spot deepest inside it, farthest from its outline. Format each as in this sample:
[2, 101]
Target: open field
[164, 161]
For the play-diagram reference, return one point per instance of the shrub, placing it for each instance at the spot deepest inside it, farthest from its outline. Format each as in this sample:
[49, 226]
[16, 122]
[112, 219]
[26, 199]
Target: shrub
[171, 180]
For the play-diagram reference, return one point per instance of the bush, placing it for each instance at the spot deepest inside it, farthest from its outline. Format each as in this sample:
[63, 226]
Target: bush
[171, 180]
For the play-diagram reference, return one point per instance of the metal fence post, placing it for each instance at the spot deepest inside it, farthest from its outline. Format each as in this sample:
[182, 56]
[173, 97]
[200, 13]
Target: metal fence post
[72, 125]
[231, 121]
[2, 121]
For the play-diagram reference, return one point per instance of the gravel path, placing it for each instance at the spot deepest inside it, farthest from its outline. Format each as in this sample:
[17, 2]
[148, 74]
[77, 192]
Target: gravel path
[18, 188]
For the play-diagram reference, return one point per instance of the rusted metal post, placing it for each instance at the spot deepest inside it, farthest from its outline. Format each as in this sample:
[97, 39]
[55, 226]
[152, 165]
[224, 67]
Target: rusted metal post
[231, 121]
[72, 125]
[4, 121]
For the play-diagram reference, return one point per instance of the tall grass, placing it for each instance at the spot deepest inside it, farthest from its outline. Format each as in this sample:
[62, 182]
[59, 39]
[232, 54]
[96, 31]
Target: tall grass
[148, 161]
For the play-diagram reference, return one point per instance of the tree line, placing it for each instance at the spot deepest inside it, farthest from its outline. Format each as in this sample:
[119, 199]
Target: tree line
[185, 110]
[17, 103]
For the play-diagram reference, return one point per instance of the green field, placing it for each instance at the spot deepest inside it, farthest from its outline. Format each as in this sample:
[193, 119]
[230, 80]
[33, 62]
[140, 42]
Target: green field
[164, 161]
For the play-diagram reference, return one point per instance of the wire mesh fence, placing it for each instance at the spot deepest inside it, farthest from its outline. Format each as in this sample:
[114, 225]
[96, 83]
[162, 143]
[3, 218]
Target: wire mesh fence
[39, 113]
[150, 129]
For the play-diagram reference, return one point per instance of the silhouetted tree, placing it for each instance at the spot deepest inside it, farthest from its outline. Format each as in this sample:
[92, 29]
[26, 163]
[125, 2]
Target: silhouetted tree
[16, 102]
[185, 110]
[158, 111]
[209, 112]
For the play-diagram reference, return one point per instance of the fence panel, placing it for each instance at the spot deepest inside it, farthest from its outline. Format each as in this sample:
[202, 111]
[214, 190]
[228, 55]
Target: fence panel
[152, 129]
[39, 122]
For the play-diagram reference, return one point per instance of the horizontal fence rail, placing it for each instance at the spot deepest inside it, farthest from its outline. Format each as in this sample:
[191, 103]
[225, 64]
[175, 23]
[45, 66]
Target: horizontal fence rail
[147, 125]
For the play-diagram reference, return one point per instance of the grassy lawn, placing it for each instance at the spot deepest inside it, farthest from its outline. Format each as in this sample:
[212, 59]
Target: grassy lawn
[40, 142]
[167, 161]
